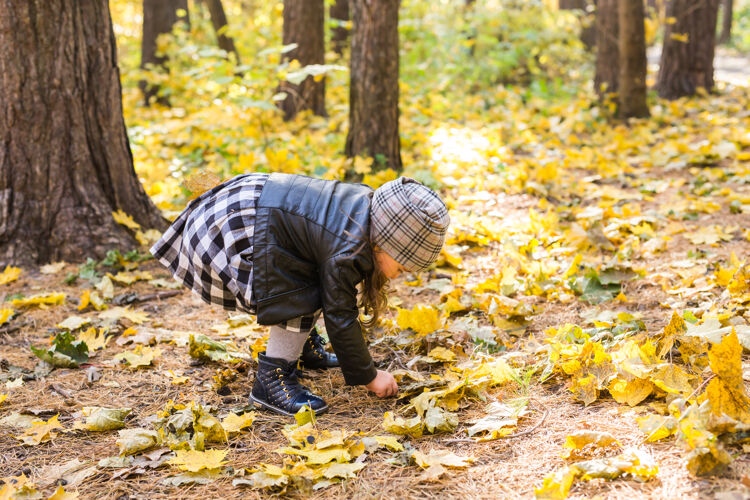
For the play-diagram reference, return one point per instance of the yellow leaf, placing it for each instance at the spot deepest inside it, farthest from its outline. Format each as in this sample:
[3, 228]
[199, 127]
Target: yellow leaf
[140, 356]
[584, 444]
[61, 494]
[442, 457]
[679, 37]
[9, 274]
[235, 423]
[556, 485]
[674, 329]
[630, 392]
[126, 220]
[194, 460]
[40, 432]
[318, 457]
[3, 397]
[176, 379]
[94, 340]
[740, 282]
[397, 425]
[727, 392]
[41, 300]
[100, 419]
[132, 441]
[5, 314]
[390, 442]
[421, 319]
[441, 354]
[673, 379]
[116, 313]
[657, 427]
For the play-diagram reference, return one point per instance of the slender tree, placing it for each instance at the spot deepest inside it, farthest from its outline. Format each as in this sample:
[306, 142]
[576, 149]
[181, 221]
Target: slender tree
[304, 25]
[219, 21]
[339, 11]
[373, 90]
[606, 78]
[687, 57]
[65, 161]
[159, 16]
[632, 87]
[726, 21]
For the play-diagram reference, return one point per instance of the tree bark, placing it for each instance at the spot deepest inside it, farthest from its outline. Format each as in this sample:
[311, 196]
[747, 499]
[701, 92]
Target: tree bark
[304, 24]
[159, 16]
[219, 20]
[340, 35]
[726, 21]
[688, 64]
[65, 161]
[373, 89]
[632, 93]
[606, 78]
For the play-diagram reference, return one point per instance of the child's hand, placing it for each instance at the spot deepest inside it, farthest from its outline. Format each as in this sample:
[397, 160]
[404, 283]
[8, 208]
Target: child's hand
[383, 385]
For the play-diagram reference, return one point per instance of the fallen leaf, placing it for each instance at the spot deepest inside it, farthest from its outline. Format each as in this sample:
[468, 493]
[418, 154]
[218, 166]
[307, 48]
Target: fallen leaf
[195, 461]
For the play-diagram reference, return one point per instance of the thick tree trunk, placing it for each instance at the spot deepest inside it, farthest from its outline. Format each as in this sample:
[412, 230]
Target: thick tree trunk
[304, 24]
[687, 57]
[632, 33]
[726, 21]
[159, 16]
[373, 90]
[219, 20]
[65, 162]
[606, 78]
[340, 35]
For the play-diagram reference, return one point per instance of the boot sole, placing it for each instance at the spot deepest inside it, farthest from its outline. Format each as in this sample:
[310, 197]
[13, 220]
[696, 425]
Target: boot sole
[274, 409]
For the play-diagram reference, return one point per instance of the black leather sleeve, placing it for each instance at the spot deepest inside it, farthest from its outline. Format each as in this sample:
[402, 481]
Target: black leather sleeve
[339, 278]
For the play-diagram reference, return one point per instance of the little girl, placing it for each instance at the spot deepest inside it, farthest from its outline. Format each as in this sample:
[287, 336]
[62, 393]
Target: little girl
[286, 248]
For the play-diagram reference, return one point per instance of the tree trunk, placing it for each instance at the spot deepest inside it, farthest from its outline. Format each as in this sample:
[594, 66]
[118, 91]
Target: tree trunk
[65, 161]
[159, 16]
[340, 34]
[219, 20]
[373, 89]
[606, 78]
[304, 24]
[687, 57]
[726, 21]
[632, 34]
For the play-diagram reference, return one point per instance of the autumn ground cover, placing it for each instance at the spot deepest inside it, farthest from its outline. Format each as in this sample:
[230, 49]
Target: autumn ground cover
[582, 334]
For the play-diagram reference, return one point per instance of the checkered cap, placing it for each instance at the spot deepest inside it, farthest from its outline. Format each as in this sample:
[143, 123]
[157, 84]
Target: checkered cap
[408, 222]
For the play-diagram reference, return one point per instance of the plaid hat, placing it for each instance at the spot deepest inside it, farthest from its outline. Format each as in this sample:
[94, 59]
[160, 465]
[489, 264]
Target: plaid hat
[408, 221]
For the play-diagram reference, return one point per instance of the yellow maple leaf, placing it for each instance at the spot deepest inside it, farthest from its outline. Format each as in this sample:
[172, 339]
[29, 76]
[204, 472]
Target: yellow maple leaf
[421, 319]
[740, 282]
[140, 356]
[556, 485]
[3, 397]
[630, 392]
[94, 340]
[40, 431]
[41, 300]
[674, 329]
[194, 460]
[441, 354]
[116, 313]
[727, 392]
[586, 443]
[657, 427]
[61, 494]
[235, 423]
[9, 274]
[126, 220]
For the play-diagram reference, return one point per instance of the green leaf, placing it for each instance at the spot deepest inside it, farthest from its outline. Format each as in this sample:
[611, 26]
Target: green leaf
[66, 352]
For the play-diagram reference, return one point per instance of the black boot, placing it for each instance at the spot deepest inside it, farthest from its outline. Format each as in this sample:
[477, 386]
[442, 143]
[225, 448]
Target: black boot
[314, 356]
[277, 388]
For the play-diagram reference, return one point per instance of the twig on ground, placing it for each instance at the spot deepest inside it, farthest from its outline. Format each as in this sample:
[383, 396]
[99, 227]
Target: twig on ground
[157, 295]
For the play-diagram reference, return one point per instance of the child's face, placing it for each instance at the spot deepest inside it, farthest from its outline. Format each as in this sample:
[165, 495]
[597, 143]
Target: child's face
[387, 265]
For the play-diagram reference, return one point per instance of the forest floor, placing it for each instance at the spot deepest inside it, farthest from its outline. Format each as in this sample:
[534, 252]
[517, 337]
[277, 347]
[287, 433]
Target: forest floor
[673, 216]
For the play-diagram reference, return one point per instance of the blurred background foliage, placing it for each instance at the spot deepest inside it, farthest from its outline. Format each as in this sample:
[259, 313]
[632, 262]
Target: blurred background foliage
[504, 62]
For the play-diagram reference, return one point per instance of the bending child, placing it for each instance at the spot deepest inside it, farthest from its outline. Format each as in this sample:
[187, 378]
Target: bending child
[287, 248]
